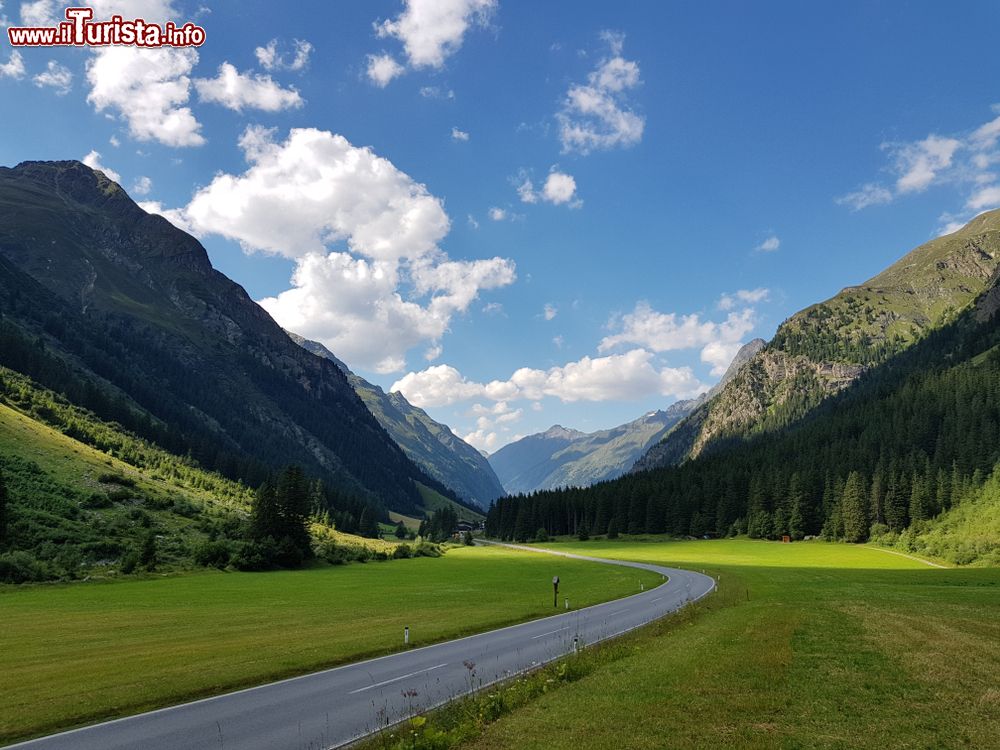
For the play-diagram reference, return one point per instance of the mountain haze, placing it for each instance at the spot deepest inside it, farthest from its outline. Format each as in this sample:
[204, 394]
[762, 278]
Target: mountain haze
[431, 445]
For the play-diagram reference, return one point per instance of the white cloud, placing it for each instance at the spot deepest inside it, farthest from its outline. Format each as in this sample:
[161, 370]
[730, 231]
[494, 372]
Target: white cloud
[173, 215]
[597, 115]
[113, 140]
[618, 377]
[436, 92]
[962, 160]
[869, 194]
[984, 199]
[237, 91]
[472, 221]
[382, 69]
[769, 245]
[920, 163]
[14, 67]
[142, 186]
[559, 188]
[744, 296]
[39, 13]
[370, 281]
[549, 311]
[459, 135]
[271, 59]
[497, 214]
[55, 76]
[661, 332]
[149, 88]
[93, 160]
[433, 30]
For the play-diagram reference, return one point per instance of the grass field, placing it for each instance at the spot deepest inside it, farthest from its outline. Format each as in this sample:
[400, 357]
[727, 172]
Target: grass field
[804, 645]
[75, 653]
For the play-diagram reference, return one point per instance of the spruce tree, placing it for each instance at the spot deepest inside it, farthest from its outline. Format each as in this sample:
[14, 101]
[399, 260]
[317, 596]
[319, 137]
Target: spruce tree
[3, 510]
[265, 516]
[853, 509]
[796, 501]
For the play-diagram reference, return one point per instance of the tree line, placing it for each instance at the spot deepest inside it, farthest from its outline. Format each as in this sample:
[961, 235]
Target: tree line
[908, 441]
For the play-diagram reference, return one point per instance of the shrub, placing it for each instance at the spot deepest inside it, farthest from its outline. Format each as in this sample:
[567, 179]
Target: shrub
[130, 561]
[402, 552]
[116, 479]
[427, 549]
[214, 554]
[21, 567]
[541, 535]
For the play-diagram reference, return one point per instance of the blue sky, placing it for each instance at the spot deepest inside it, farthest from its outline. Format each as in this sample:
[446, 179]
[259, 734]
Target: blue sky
[527, 213]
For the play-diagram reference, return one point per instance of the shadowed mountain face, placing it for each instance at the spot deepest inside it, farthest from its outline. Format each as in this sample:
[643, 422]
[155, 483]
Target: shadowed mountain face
[124, 312]
[429, 444]
[825, 348]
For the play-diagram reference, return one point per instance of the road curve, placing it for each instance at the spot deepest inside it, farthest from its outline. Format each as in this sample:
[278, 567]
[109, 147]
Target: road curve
[337, 706]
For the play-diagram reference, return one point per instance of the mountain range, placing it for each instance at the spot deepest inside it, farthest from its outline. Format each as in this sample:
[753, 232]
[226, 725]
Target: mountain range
[561, 457]
[122, 313]
[429, 444]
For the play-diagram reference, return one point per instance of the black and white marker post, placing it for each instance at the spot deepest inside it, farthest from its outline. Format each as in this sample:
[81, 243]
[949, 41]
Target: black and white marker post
[555, 591]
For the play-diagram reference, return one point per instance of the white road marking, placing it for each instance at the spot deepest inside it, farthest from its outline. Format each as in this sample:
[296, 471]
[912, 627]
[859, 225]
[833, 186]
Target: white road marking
[551, 632]
[397, 679]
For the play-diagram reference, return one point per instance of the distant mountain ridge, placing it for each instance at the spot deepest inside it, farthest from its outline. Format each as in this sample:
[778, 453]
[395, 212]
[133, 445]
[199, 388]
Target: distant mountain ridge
[430, 444]
[825, 348]
[561, 457]
[123, 313]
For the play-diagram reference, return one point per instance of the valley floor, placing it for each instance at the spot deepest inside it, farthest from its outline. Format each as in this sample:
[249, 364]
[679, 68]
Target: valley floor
[804, 645]
[72, 654]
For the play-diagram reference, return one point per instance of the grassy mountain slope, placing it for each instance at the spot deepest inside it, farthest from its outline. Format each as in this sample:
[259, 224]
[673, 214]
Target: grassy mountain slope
[827, 347]
[85, 495]
[429, 444]
[122, 311]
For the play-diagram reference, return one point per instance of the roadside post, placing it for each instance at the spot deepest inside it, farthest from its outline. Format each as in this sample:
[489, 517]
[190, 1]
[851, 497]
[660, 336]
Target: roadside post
[555, 591]
[406, 636]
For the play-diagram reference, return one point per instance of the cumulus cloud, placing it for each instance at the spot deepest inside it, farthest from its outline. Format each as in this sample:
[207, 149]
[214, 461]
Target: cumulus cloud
[459, 135]
[14, 67]
[497, 214]
[270, 58]
[430, 31]
[149, 89]
[549, 311]
[142, 186]
[661, 332]
[370, 281]
[238, 91]
[769, 245]
[559, 188]
[55, 76]
[382, 69]
[598, 115]
[962, 160]
[629, 376]
[93, 160]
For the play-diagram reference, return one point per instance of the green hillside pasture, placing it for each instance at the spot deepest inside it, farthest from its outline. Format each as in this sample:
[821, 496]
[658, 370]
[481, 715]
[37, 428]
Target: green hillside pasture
[70, 654]
[805, 645]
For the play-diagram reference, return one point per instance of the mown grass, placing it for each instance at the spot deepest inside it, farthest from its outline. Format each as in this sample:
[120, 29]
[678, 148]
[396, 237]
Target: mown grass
[70, 654]
[804, 645]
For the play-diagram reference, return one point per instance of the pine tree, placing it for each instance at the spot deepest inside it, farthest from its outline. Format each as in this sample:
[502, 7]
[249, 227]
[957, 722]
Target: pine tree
[796, 501]
[265, 516]
[3, 510]
[401, 530]
[853, 509]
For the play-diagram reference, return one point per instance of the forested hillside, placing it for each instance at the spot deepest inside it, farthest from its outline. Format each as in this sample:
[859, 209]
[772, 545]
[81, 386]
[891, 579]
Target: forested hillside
[914, 437]
[826, 347]
[123, 314]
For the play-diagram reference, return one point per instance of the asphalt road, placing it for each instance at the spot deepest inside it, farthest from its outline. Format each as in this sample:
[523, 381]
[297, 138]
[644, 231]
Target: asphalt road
[334, 707]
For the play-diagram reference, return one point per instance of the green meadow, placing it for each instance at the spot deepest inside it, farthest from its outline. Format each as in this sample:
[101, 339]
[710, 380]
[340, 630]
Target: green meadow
[804, 645]
[70, 654]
